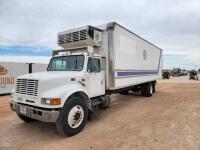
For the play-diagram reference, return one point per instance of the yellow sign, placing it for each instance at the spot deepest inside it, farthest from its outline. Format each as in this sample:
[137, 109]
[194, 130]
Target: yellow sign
[3, 71]
[4, 80]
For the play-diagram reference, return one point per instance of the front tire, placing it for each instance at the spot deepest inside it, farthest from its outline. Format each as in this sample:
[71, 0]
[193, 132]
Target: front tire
[73, 117]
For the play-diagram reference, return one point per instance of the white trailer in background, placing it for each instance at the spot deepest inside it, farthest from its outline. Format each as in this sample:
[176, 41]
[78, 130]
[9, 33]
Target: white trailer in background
[198, 74]
[9, 71]
[94, 63]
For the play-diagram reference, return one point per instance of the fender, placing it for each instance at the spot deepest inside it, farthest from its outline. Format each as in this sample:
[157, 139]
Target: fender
[64, 92]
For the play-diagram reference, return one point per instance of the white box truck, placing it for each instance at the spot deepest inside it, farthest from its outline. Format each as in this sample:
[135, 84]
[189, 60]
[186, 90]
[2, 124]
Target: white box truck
[94, 63]
[9, 71]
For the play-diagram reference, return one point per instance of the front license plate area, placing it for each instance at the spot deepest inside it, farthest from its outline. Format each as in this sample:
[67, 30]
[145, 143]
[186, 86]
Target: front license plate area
[22, 110]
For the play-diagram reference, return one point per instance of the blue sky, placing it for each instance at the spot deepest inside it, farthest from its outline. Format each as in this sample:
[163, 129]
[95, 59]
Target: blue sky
[21, 50]
[25, 54]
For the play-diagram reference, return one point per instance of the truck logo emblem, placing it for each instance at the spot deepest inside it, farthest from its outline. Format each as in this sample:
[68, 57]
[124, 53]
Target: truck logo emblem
[3, 71]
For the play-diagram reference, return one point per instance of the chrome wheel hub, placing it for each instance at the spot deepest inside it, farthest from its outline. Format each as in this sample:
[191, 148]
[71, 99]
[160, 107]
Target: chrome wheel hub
[75, 116]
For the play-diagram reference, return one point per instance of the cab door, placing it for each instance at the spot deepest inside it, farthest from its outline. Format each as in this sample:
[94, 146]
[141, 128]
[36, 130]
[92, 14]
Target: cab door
[95, 77]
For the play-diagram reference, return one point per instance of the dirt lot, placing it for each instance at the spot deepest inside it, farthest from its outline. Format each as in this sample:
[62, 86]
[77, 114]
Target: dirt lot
[170, 120]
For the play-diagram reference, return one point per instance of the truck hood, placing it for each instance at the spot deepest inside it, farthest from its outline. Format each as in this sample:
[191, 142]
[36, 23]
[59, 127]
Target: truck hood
[42, 76]
[54, 79]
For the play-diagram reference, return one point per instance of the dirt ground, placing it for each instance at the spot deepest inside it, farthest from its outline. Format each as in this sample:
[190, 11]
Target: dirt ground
[170, 120]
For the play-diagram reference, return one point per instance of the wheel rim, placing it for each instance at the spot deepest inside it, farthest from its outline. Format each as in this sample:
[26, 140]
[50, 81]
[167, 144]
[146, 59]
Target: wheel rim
[75, 116]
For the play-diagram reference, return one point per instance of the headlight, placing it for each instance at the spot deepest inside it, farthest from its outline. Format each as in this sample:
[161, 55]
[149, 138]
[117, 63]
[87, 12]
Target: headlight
[51, 101]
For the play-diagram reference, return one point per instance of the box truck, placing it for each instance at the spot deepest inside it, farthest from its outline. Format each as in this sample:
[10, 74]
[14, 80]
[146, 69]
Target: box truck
[94, 62]
[9, 71]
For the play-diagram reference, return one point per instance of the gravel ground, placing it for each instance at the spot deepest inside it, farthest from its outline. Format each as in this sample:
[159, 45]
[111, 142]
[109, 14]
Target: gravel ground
[167, 121]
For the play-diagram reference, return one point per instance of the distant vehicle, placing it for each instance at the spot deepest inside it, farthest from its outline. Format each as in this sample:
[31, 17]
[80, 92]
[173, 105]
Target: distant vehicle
[95, 63]
[166, 74]
[176, 72]
[194, 75]
[179, 72]
[183, 72]
[198, 75]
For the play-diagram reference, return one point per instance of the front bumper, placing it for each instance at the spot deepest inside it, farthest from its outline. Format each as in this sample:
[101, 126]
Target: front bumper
[35, 113]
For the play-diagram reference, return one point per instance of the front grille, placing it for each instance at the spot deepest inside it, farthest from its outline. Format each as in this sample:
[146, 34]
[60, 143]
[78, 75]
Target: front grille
[73, 37]
[27, 87]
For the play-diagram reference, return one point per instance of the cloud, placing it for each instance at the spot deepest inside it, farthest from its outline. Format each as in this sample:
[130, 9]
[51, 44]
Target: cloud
[26, 59]
[172, 25]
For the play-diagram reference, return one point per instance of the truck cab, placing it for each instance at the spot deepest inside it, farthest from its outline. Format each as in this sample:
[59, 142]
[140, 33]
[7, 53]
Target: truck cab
[83, 69]
[74, 82]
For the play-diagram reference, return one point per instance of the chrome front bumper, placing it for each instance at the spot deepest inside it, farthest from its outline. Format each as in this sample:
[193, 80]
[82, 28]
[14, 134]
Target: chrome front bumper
[35, 113]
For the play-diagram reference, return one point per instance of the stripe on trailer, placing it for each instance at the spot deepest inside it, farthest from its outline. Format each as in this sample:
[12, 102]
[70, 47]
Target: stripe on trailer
[136, 73]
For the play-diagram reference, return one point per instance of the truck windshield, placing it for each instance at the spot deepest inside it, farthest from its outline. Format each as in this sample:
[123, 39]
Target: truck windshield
[66, 63]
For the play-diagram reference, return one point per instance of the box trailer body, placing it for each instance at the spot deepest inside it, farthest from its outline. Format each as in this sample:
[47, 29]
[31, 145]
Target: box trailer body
[131, 59]
[9, 71]
[93, 63]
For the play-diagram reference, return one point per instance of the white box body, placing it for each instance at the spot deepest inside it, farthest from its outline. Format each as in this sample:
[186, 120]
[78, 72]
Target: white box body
[131, 60]
[11, 70]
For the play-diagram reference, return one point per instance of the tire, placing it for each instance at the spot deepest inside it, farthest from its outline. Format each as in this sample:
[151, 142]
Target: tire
[25, 119]
[143, 90]
[154, 87]
[125, 92]
[73, 117]
[147, 90]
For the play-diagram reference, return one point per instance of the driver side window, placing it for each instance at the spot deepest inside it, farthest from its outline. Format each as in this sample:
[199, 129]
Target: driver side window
[93, 65]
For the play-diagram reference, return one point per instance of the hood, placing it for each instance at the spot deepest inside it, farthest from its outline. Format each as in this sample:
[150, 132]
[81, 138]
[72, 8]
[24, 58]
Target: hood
[52, 75]
[53, 79]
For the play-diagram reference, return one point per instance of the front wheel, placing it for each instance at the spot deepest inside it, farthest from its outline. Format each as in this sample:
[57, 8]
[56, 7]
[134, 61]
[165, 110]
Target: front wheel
[72, 117]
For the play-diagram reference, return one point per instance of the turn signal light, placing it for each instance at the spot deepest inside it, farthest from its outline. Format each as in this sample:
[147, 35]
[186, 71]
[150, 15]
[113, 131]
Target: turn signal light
[51, 101]
[55, 101]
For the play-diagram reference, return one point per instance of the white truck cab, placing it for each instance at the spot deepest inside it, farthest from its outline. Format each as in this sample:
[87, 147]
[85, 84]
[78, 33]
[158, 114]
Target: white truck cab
[94, 63]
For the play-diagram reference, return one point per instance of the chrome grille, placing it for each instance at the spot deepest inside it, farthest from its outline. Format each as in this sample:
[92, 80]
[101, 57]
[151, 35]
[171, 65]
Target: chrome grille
[27, 87]
[73, 37]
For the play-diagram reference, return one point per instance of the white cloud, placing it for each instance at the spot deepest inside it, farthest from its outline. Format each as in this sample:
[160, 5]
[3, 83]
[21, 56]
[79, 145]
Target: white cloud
[25, 59]
[173, 25]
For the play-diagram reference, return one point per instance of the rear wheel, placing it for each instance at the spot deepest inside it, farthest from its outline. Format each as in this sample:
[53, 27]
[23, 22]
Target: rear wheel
[147, 89]
[125, 92]
[25, 119]
[72, 117]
